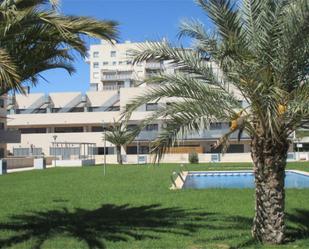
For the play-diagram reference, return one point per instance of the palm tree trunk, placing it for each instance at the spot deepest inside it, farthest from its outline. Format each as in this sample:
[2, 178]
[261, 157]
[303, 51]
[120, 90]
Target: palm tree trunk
[119, 158]
[269, 160]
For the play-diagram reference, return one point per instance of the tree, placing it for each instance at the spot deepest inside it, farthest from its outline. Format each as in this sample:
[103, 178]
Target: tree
[35, 37]
[120, 135]
[258, 52]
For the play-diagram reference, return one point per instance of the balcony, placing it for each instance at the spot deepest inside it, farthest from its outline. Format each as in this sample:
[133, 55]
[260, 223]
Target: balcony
[154, 66]
[112, 87]
[117, 76]
[147, 136]
[205, 135]
[214, 134]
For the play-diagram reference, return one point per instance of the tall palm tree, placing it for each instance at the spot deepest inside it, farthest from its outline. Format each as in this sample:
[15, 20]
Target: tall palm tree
[120, 135]
[35, 37]
[258, 52]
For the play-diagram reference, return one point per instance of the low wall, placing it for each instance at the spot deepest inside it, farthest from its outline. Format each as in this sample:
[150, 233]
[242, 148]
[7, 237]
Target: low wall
[177, 158]
[18, 163]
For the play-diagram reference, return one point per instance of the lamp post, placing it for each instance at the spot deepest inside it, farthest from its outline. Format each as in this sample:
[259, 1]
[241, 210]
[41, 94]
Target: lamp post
[104, 130]
[55, 138]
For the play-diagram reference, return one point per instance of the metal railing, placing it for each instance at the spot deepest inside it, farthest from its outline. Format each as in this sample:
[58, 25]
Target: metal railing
[73, 103]
[112, 87]
[37, 104]
[23, 152]
[154, 65]
[112, 77]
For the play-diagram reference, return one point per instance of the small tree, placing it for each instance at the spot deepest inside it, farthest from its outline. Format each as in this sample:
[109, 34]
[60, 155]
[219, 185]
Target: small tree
[193, 157]
[119, 135]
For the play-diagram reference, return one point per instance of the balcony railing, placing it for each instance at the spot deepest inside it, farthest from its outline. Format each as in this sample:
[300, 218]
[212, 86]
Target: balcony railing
[114, 77]
[154, 65]
[112, 87]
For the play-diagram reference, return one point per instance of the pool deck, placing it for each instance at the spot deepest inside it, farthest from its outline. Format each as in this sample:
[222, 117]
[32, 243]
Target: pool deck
[180, 180]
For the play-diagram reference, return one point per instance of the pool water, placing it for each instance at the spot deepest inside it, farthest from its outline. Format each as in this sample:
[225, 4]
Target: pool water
[245, 179]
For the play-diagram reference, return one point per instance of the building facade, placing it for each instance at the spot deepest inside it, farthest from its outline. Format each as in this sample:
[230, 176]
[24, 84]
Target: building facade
[79, 117]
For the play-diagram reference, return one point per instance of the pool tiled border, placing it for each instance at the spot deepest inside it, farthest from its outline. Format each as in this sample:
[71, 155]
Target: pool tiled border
[181, 178]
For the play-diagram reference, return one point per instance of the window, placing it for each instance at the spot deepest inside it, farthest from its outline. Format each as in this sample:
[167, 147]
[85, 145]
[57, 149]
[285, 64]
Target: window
[216, 126]
[120, 63]
[114, 63]
[132, 126]
[129, 62]
[68, 129]
[95, 54]
[132, 150]
[1, 126]
[96, 128]
[152, 127]
[151, 106]
[96, 75]
[33, 130]
[40, 110]
[105, 63]
[113, 53]
[77, 109]
[55, 110]
[1, 103]
[96, 65]
[100, 151]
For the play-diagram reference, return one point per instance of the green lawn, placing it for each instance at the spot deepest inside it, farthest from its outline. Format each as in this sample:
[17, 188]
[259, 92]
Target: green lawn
[132, 207]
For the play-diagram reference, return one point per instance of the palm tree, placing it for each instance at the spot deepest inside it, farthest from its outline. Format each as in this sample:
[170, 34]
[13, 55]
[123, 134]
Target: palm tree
[258, 52]
[35, 37]
[120, 135]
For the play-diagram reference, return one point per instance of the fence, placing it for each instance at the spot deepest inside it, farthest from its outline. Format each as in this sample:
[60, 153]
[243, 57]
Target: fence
[25, 152]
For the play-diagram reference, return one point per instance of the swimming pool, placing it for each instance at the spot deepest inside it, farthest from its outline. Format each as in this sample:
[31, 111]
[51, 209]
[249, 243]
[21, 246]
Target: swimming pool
[240, 179]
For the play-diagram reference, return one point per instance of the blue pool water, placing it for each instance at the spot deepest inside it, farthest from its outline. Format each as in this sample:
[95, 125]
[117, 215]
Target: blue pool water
[245, 179]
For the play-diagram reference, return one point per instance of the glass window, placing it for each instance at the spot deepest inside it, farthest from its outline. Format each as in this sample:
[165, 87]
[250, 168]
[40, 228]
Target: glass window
[68, 129]
[216, 126]
[96, 128]
[114, 63]
[96, 65]
[95, 54]
[33, 130]
[151, 106]
[105, 63]
[129, 62]
[120, 62]
[132, 126]
[113, 53]
[152, 127]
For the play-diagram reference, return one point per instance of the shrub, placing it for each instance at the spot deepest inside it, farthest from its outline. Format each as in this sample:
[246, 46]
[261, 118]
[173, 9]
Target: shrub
[193, 157]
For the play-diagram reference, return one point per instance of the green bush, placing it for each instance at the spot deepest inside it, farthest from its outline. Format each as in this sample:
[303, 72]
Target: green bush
[193, 157]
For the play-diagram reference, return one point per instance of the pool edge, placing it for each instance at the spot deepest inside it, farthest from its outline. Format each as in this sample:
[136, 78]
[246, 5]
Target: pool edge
[181, 178]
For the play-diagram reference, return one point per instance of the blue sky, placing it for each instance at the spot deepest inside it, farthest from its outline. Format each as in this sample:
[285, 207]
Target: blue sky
[139, 20]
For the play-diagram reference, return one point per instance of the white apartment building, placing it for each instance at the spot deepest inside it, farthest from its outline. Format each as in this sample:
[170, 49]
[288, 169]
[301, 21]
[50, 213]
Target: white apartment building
[78, 117]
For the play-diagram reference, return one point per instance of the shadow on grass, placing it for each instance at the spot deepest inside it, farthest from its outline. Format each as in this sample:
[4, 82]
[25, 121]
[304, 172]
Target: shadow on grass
[107, 223]
[299, 228]
[122, 223]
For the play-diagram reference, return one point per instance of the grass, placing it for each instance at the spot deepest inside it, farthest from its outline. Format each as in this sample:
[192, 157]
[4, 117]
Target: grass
[132, 207]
